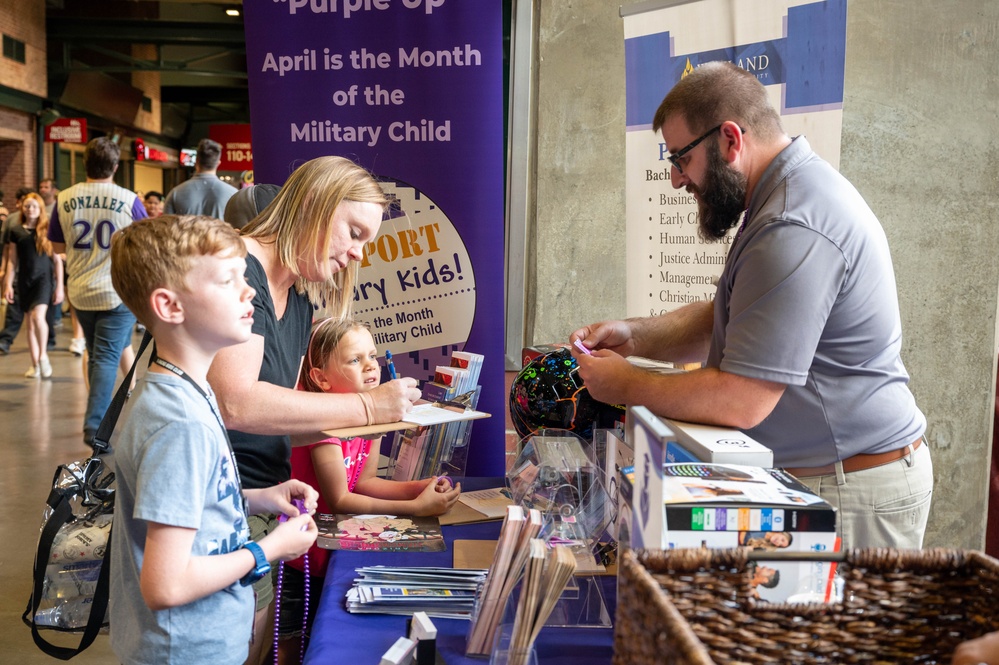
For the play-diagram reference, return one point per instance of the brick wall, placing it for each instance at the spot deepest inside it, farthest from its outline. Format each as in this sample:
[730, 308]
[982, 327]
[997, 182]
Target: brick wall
[25, 20]
[17, 152]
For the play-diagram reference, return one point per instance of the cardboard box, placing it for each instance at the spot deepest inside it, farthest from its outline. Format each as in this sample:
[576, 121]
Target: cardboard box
[780, 581]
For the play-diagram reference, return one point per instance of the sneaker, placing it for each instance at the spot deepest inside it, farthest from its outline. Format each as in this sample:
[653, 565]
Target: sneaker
[4, 349]
[46, 368]
[78, 346]
[33, 373]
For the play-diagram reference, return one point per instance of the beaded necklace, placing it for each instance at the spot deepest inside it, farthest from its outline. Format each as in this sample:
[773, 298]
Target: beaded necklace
[277, 600]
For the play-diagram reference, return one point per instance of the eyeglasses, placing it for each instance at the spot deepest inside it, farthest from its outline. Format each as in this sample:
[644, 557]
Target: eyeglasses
[674, 158]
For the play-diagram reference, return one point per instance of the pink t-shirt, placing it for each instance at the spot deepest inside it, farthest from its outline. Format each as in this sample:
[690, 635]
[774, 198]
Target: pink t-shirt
[355, 454]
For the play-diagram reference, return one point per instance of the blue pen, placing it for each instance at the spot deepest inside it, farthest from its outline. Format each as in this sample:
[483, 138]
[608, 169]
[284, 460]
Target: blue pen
[390, 365]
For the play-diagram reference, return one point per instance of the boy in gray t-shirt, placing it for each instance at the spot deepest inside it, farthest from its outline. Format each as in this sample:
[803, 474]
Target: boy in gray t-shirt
[181, 556]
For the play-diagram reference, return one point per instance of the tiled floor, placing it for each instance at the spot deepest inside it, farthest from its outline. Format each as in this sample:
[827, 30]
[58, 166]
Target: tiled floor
[42, 421]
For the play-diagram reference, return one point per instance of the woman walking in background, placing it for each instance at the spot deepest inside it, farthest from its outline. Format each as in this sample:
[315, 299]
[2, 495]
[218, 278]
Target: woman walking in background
[39, 279]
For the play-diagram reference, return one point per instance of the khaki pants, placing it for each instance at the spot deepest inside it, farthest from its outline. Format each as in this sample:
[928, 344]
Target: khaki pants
[886, 506]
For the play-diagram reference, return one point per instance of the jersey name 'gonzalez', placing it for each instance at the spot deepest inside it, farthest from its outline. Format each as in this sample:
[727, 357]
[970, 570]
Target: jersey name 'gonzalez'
[77, 202]
[84, 218]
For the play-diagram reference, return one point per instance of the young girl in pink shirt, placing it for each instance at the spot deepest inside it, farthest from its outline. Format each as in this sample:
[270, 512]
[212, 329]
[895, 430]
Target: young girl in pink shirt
[342, 358]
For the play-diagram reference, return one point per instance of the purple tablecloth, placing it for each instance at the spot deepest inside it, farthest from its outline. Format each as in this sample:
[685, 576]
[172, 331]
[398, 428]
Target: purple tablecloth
[341, 637]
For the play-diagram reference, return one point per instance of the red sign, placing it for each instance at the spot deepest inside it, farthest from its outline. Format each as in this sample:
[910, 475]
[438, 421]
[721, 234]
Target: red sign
[69, 130]
[237, 155]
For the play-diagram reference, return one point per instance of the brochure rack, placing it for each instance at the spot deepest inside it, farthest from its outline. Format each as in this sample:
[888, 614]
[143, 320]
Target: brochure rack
[434, 450]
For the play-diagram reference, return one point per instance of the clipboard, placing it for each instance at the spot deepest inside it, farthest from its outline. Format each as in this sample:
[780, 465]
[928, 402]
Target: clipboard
[422, 414]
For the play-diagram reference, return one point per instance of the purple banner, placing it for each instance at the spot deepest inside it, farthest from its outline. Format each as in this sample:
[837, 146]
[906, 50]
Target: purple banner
[413, 91]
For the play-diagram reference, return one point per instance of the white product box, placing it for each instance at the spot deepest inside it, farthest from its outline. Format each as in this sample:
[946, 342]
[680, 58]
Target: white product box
[721, 445]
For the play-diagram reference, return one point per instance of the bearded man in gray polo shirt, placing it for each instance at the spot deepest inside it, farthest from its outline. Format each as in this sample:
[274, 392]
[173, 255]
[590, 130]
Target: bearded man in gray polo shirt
[801, 344]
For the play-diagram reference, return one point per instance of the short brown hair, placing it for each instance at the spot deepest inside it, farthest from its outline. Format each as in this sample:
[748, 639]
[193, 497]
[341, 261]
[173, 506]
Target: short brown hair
[156, 253]
[299, 221]
[209, 154]
[100, 158]
[716, 92]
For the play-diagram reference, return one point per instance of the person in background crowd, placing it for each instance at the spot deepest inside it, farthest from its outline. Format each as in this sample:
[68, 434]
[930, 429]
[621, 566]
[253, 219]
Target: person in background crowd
[48, 191]
[802, 341]
[204, 193]
[153, 202]
[304, 250]
[247, 203]
[84, 233]
[39, 282]
[13, 315]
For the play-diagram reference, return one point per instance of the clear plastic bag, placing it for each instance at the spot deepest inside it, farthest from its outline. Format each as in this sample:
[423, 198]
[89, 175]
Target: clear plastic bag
[72, 546]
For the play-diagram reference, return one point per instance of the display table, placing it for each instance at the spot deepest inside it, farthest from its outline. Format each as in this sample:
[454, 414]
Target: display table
[341, 637]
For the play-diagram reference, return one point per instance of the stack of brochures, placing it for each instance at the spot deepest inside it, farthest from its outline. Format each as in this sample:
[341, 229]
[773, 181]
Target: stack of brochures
[546, 575]
[440, 592]
[512, 552]
[422, 452]
[462, 375]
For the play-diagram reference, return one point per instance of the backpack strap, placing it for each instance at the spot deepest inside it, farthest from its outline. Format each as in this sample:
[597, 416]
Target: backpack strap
[104, 431]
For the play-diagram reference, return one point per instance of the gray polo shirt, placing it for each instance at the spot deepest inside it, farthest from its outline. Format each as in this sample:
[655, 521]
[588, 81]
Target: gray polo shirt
[203, 194]
[808, 299]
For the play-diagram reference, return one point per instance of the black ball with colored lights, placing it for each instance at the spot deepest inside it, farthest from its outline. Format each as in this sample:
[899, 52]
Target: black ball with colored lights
[549, 394]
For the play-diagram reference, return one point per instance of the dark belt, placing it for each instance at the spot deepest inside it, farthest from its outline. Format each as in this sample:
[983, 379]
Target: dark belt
[859, 462]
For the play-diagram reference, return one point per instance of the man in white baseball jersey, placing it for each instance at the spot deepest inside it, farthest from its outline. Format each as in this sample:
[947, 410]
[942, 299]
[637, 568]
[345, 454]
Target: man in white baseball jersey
[82, 222]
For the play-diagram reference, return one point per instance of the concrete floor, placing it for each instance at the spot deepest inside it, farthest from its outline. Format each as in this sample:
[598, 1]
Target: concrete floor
[42, 428]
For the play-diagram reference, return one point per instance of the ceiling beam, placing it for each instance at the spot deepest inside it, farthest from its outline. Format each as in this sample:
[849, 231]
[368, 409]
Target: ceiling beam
[145, 31]
[194, 94]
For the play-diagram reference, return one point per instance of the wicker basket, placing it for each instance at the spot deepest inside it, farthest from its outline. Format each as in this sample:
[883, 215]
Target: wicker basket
[694, 606]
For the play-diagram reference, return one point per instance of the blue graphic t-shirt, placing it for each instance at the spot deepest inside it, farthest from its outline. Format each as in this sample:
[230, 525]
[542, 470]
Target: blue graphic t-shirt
[174, 467]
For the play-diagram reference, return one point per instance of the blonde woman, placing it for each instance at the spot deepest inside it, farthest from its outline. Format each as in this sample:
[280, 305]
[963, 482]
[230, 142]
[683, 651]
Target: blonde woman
[304, 250]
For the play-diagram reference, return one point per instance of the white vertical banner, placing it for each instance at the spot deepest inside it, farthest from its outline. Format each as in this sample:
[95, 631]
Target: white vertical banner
[796, 48]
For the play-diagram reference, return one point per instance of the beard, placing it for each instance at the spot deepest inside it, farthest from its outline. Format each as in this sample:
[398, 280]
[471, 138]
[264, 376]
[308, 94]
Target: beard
[722, 197]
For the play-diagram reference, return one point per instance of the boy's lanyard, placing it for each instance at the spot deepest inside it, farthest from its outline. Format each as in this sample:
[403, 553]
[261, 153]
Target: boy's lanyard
[232, 454]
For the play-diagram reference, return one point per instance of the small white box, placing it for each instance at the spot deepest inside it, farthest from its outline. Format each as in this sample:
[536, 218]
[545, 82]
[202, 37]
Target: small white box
[721, 445]
[400, 653]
